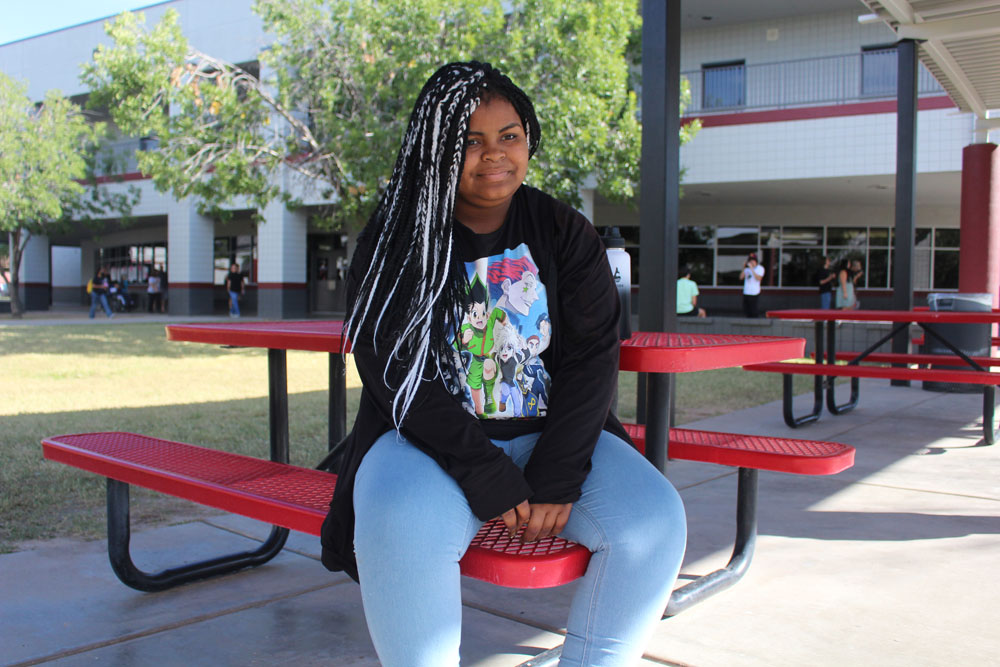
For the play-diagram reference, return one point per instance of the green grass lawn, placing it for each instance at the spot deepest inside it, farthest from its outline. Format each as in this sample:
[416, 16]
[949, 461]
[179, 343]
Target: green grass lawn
[128, 377]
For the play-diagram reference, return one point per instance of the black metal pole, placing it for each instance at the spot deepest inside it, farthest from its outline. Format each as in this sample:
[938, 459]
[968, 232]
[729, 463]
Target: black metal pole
[658, 201]
[906, 181]
[337, 408]
[277, 377]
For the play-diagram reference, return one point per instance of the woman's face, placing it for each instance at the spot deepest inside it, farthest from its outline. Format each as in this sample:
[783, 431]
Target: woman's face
[496, 156]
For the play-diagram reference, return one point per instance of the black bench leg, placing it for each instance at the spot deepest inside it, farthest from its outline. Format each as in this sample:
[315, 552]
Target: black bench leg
[786, 400]
[989, 403]
[831, 398]
[119, 535]
[739, 562]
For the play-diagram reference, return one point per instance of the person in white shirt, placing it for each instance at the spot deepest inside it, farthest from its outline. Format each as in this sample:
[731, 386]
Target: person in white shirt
[752, 275]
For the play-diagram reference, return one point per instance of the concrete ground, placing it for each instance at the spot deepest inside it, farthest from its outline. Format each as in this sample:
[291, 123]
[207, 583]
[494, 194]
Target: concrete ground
[892, 562]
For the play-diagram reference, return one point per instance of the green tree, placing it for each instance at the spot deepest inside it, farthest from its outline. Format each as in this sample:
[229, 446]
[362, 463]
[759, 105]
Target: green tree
[333, 94]
[48, 152]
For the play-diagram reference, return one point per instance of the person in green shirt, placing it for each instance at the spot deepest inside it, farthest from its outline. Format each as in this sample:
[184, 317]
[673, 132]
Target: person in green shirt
[687, 294]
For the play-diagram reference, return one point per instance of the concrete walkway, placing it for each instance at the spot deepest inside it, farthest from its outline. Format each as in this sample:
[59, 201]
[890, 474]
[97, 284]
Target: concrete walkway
[892, 562]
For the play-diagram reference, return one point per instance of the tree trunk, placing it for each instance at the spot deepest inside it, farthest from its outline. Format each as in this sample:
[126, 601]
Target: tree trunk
[16, 308]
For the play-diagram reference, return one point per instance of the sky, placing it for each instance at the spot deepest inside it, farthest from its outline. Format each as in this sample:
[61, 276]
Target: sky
[28, 18]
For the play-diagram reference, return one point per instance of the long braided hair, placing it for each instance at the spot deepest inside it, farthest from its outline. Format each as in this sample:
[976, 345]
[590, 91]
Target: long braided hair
[413, 293]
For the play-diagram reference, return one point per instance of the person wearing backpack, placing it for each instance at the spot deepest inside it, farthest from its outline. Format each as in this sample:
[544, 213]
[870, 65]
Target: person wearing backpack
[99, 286]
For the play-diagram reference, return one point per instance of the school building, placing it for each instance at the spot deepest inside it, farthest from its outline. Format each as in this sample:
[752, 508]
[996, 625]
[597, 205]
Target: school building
[796, 159]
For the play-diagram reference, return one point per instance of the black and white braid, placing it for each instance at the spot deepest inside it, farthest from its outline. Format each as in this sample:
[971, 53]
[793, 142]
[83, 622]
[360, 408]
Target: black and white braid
[413, 293]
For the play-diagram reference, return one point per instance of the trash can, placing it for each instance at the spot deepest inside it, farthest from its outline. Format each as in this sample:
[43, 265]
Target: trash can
[972, 339]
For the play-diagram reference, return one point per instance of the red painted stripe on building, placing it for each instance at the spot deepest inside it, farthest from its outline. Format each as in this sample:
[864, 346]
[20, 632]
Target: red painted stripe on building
[102, 180]
[173, 285]
[281, 285]
[808, 113]
[24, 283]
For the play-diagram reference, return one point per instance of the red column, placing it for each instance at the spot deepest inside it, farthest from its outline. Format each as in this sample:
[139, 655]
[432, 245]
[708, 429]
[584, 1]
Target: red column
[979, 252]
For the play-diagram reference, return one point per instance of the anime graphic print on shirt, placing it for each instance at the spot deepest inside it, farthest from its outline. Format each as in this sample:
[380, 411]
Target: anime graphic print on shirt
[504, 330]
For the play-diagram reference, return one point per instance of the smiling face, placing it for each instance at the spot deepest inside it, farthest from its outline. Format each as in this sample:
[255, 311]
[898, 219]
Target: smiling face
[496, 160]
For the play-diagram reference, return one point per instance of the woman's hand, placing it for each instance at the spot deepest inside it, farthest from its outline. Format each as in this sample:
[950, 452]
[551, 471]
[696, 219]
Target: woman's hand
[547, 520]
[516, 516]
[542, 519]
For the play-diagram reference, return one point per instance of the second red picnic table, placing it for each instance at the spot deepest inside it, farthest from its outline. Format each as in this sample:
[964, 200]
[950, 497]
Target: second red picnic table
[656, 354]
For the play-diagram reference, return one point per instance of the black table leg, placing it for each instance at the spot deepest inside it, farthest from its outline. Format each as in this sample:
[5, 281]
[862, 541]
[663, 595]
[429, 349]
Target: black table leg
[831, 358]
[277, 378]
[659, 399]
[338, 401]
[989, 403]
[787, 389]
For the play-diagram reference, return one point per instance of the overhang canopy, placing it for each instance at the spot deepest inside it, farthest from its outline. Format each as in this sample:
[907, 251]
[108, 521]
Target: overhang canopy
[959, 44]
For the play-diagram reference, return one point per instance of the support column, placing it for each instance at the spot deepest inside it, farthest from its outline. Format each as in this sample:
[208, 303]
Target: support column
[281, 267]
[190, 260]
[36, 283]
[906, 182]
[979, 252]
[659, 196]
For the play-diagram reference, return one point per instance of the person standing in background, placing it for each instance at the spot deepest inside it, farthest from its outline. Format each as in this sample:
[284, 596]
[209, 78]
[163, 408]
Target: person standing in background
[99, 292]
[845, 299]
[154, 297]
[234, 285]
[825, 279]
[753, 273]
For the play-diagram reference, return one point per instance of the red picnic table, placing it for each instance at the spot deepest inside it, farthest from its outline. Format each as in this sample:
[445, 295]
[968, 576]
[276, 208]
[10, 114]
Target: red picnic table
[296, 498]
[645, 352]
[972, 370]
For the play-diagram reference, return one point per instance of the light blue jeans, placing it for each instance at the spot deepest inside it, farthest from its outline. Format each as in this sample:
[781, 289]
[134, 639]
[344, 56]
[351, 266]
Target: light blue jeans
[234, 303]
[413, 524]
[96, 296]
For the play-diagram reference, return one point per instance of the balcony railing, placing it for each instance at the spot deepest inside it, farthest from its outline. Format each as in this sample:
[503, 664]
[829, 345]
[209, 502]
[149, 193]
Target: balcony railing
[859, 77]
[118, 157]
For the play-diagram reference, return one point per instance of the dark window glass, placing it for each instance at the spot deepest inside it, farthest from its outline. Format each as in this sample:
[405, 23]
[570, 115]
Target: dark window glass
[922, 238]
[692, 235]
[700, 262]
[633, 253]
[744, 236]
[921, 268]
[810, 237]
[877, 271]
[878, 70]
[878, 236]
[799, 266]
[723, 85]
[946, 269]
[946, 238]
[847, 236]
[729, 266]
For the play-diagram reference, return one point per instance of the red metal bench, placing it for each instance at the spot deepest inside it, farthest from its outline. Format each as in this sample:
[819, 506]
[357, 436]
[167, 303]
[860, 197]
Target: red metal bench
[291, 497]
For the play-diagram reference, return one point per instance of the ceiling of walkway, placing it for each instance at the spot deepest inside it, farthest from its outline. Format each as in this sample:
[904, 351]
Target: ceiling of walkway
[959, 44]
[705, 13]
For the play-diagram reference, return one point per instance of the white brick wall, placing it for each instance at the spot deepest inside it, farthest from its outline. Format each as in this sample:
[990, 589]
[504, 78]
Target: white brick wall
[824, 147]
[226, 29]
[797, 37]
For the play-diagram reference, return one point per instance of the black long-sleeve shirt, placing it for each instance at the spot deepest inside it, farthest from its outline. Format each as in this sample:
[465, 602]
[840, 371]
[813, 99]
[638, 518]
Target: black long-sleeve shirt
[581, 359]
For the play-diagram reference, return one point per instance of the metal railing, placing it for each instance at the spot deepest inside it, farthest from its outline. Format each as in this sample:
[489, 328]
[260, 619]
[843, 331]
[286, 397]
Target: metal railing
[118, 157]
[857, 77]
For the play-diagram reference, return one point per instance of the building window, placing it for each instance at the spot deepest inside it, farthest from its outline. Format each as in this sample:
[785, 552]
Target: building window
[791, 255]
[723, 85]
[132, 263]
[241, 250]
[878, 71]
